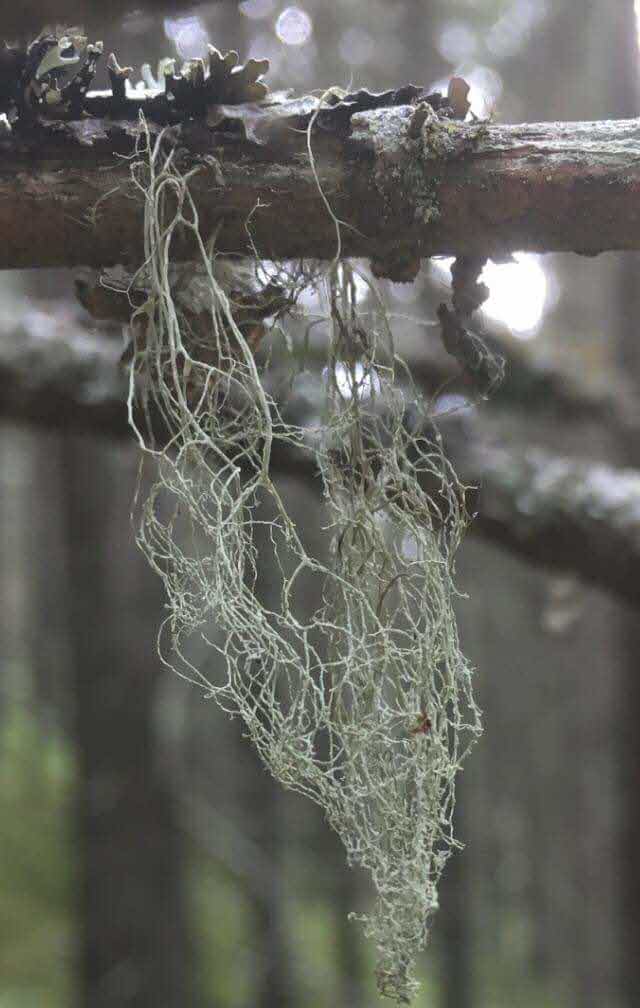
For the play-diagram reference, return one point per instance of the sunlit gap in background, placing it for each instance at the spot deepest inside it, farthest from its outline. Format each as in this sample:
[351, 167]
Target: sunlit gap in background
[486, 88]
[510, 32]
[188, 35]
[354, 381]
[518, 292]
[257, 9]
[294, 26]
[312, 297]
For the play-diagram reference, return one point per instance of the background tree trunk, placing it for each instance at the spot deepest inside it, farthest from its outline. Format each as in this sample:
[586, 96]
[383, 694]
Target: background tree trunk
[135, 951]
[624, 87]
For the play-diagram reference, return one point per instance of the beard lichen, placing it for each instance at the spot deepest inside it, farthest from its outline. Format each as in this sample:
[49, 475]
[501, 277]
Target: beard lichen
[365, 706]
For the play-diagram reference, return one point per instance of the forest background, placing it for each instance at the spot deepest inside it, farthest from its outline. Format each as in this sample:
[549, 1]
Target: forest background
[120, 788]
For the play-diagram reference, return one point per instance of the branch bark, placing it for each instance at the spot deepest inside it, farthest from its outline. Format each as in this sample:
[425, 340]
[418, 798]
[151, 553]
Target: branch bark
[456, 188]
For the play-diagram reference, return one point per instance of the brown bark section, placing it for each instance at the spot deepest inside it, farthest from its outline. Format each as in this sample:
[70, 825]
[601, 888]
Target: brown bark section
[457, 188]
[560, 513]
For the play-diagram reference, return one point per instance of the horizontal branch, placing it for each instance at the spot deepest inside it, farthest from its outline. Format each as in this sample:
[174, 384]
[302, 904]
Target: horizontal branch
[446, 188]
[554, 511]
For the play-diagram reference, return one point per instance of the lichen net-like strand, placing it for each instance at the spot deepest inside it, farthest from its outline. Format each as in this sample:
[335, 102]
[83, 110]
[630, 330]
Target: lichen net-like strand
[364, 706]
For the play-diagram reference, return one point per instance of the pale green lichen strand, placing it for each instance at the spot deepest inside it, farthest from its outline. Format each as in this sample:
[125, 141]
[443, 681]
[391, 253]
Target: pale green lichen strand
[364, 706]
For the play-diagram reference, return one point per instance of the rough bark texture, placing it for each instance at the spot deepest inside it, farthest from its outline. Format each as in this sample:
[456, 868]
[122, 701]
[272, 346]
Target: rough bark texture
[454, 188]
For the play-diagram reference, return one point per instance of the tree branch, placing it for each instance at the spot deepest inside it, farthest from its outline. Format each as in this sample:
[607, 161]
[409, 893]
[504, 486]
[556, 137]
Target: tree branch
[536, 388]
[455, 188]
[28, 17]
[557, 512]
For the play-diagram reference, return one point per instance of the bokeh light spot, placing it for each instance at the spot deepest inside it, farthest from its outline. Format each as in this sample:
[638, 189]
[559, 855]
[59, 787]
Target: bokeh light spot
[457, 42]
[518, 292]
[189, 36]
[514, 28]
[357, 46]
[356, 382]
[257, 9]
[486, 89]
[294, 26]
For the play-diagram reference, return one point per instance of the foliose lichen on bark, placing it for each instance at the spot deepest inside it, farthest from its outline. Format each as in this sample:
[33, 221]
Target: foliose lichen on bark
[410, 151]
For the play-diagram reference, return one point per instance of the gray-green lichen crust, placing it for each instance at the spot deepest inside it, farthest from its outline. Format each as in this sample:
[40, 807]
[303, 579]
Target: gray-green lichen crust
[410, 147]
[400, 175]
[410, 164]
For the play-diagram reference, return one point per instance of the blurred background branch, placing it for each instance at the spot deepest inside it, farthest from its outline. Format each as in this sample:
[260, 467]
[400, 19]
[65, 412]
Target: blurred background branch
[544, 187]
[556, 511]
[145, 858]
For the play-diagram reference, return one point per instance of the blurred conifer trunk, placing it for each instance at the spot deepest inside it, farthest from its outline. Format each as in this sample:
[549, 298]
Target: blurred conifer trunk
[454, 925]
[624, 82]
[134, 948]
[349, 940]
[628, 708]
[273, 978]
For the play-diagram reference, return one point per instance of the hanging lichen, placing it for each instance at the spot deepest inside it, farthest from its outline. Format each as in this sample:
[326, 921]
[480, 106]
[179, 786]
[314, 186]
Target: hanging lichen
[365, 707]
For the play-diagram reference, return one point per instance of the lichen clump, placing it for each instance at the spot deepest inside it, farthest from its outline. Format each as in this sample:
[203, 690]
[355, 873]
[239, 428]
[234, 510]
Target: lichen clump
[365, 706]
